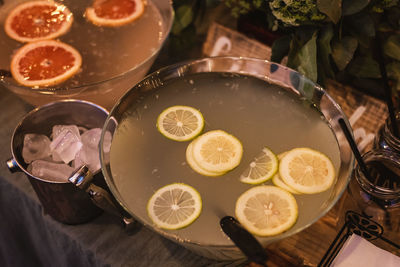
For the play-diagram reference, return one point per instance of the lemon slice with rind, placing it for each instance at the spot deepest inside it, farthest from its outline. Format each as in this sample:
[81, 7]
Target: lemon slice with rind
[174, 206]
[266, 210]
[307, 171]
[261, 169]
[192, 163]
[277, 181]
[180, 123]
[217, 151]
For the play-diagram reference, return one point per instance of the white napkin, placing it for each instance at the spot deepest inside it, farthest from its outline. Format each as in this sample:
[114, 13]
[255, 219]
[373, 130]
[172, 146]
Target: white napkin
[357, 251]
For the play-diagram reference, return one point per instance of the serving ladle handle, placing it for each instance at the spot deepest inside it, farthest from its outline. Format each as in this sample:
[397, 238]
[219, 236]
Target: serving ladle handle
[244, 240]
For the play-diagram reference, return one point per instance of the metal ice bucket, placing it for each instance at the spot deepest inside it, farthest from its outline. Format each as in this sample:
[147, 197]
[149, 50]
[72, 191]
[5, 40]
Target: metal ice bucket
[61, 200]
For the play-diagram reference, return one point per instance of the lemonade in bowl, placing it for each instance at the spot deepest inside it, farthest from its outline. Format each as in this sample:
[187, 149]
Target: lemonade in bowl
[201, 140]
[78, 49]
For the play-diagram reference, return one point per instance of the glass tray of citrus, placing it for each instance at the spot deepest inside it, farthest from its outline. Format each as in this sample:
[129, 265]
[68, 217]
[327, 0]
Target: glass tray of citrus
[79, 49]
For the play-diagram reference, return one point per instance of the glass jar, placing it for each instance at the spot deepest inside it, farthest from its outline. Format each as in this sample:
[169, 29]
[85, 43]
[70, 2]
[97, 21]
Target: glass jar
[378, 196]
[385, 139]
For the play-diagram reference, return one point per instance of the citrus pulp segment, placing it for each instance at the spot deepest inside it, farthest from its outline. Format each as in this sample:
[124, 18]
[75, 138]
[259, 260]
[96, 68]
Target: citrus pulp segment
[261, 169]
[307, 171]
[174, 206]
[192, 163]
[266, 210]
[180, 123]
[45, 63]
[217, 151]
[113, 13]
[38, 20]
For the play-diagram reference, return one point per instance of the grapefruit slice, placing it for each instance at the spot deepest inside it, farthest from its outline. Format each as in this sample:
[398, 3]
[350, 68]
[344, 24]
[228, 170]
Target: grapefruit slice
[38, 20]
[114, 13]
[45, 63]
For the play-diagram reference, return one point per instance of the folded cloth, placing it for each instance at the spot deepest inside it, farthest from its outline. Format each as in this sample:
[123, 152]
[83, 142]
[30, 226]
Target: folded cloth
[357, 251]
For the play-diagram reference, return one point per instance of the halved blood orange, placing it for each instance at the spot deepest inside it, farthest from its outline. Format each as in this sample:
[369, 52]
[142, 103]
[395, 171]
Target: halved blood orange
[38, 20]
[113, 13]
[45, 63]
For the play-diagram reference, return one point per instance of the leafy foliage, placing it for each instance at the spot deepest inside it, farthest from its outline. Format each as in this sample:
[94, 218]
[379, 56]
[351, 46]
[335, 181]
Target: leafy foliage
[343, 51]
[190, 23]
[321, 38]
[332, 8]
[242, 7]
[343, 38]
[296, 12]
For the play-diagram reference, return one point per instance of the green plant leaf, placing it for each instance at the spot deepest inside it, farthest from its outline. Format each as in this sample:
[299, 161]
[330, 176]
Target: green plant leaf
[325, 50]
[280, 48]
[343, 51]
[393, 70]
[305, 60]
[391, 47]
[331, 8]
[183, 17]
[361, 24]
[351, 7]
[364, 67]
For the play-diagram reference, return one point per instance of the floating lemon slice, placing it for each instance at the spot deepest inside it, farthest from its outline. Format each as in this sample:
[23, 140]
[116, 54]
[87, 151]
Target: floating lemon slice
[38, 20]
[174, 206]
[276, 179]
[217, 151]
[266, 210]
[180, 123]
[261, 169]
[306, 170]
[281, 155]
[45, 63]
[192, 163]
[113, 13]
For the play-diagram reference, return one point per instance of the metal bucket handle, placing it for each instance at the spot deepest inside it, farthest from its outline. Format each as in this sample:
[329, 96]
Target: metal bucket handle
[82, 178]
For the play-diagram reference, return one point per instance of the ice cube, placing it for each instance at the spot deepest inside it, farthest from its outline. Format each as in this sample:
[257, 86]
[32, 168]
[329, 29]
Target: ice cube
[82, 129]
[91, 138]
[88, 156]
[65, 144]
[36, 146]
[57, 129]
[59, 172]
[56, 158]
